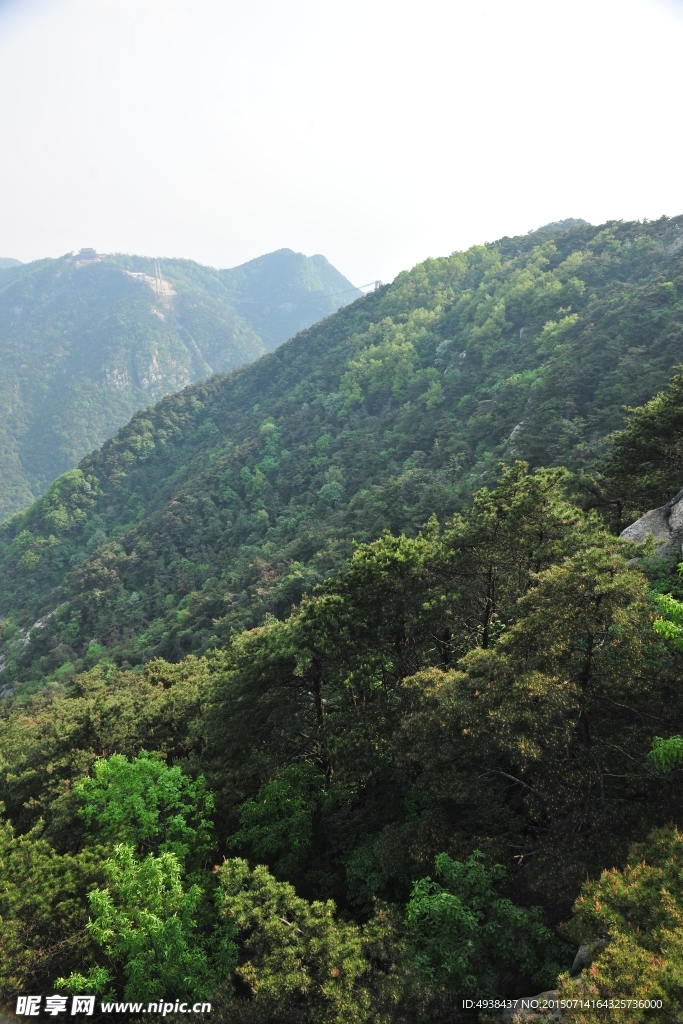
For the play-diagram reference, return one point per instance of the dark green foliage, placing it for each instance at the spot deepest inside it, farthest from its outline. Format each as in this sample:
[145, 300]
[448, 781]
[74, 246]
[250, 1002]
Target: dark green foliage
[479, 686]
[43, 910]
[299, 964]
[522, 750]
[84, 344]
[470, 936]
[645, 466]
[482, 671]
[279, 821]
[233, 498]
[55, 738]
[346, 749]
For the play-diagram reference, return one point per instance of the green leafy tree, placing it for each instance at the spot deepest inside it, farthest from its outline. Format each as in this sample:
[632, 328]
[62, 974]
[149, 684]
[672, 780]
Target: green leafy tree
[667, 753]
[468, 935]
[147, 804]
[669, 623]
[278, 824]
[536, 744]
[146, 924]
[51, 740]
[152, 925]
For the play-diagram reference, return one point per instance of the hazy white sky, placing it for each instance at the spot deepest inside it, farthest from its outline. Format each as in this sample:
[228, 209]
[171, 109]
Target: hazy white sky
[377, 132]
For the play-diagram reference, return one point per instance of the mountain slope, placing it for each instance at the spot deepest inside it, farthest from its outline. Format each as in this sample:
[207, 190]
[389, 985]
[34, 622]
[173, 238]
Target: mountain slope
[285, 292]
[235, 496]
[85, 342]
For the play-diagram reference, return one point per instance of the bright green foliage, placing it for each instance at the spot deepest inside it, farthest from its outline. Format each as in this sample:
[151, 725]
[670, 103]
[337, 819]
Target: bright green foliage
[278, 823]
[639, 911]
[670, 623]
[145, 921]
[145, 803]
[466, 933]
[54, 738]
[43, 911]
[666, 753]
[387, 364]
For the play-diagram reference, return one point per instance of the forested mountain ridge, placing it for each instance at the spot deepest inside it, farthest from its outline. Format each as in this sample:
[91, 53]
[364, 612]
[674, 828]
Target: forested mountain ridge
[235, 496]
[85, 342]
[284, 292]
[437, 774]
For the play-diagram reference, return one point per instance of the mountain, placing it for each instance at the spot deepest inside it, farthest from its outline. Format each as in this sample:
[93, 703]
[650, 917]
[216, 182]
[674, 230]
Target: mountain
[233, 497]
[561, 225]
[263, 292]
[440, 771]
[87, 340]
[7, 261]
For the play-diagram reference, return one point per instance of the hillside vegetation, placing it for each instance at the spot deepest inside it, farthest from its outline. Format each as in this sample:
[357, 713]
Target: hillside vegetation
[246, 760]
[85, 343]
[234, 497]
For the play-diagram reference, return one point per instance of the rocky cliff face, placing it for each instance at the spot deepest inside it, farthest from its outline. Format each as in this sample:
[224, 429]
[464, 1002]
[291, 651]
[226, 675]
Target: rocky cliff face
[666, 526]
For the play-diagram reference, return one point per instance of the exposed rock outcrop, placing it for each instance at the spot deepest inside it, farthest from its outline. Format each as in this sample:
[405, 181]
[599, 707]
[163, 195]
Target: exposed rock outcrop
[544, 1008]
[666, 526]
[586, 953]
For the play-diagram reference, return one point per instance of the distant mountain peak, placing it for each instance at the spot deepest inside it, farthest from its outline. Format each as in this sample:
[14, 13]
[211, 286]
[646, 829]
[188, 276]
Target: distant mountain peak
[97, 337]
[561, 225]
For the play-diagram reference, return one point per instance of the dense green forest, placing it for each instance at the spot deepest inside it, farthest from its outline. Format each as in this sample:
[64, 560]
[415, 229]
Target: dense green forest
[233, 498]
[86, 342]
[331, 694]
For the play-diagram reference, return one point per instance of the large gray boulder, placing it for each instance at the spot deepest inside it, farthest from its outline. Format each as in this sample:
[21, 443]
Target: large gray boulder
[666, 526]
